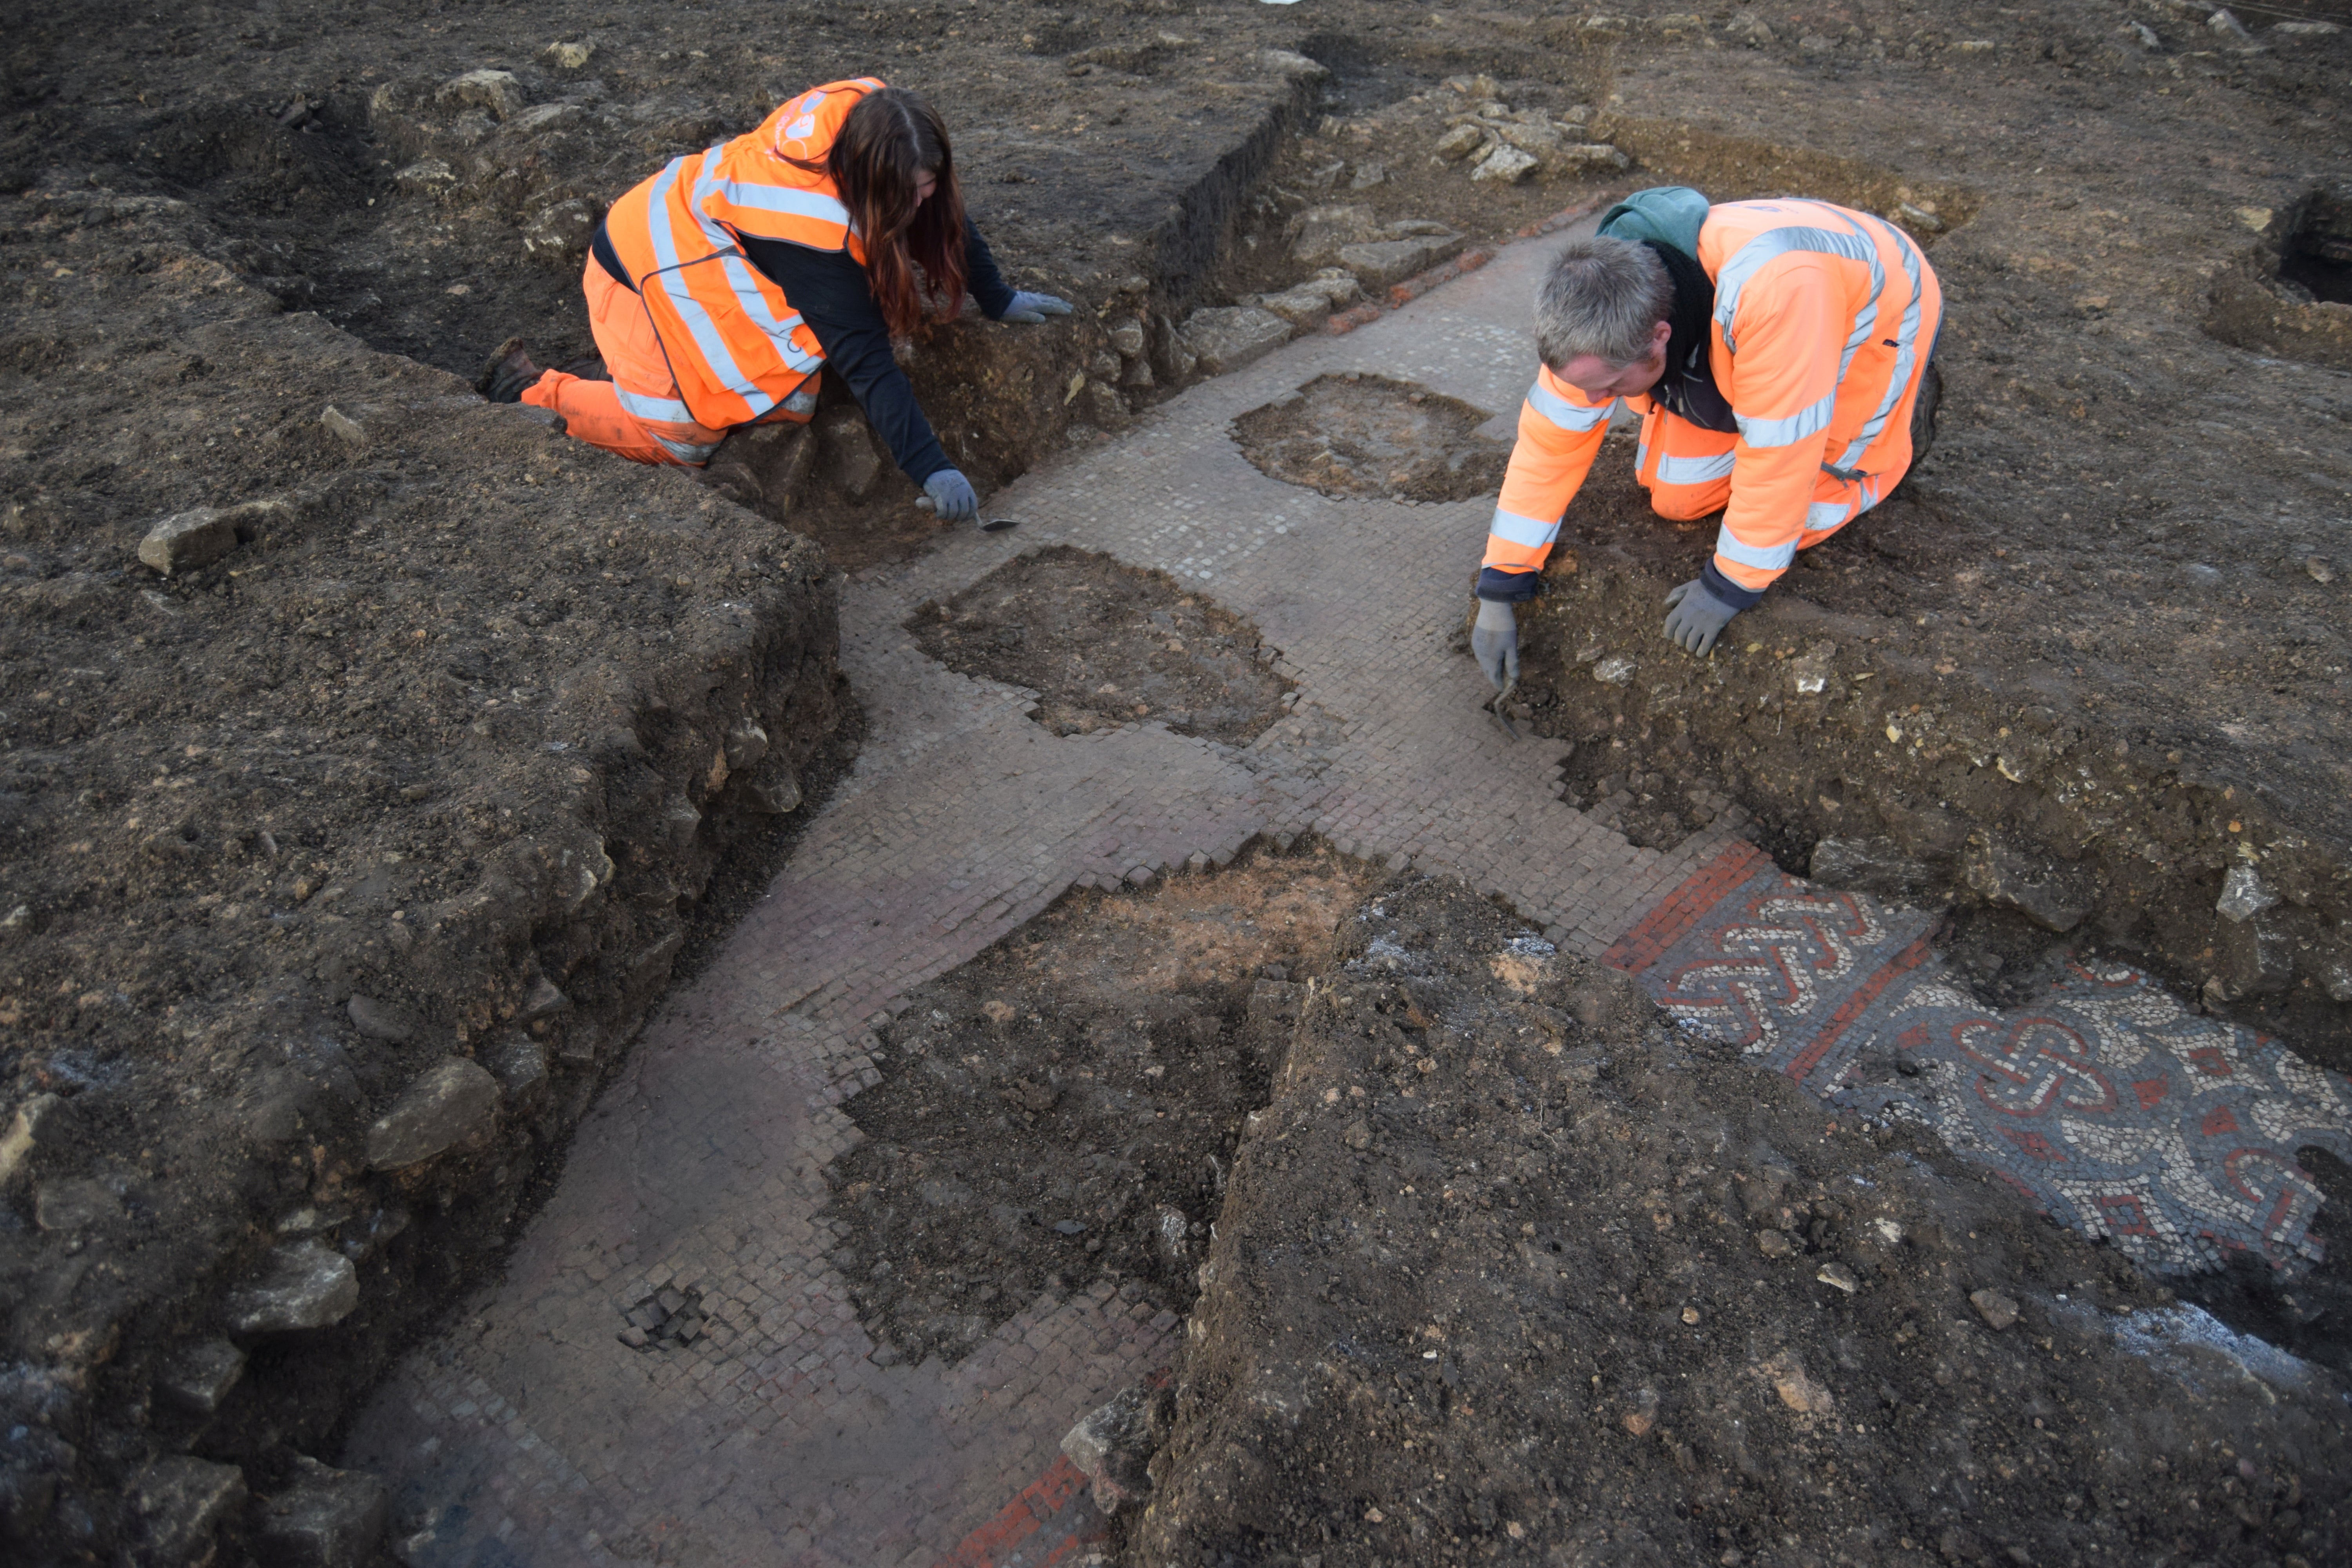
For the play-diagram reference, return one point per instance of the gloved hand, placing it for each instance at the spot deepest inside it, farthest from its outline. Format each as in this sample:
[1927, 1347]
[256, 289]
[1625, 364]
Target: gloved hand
[951, 496]
[1495, 642]
[1035, 308]
[1695, 617]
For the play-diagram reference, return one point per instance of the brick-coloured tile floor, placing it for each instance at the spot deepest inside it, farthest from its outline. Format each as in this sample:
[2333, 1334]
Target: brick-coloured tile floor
[528, 1433]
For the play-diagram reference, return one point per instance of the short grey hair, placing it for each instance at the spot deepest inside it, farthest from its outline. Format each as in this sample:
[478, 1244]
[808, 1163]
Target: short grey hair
[1603, 297]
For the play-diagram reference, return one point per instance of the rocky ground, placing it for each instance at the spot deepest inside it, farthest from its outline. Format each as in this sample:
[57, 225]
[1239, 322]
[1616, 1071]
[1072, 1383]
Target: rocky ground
[352, 819]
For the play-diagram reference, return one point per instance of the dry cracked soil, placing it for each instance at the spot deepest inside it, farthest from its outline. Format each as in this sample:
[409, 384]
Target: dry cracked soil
[339, 861]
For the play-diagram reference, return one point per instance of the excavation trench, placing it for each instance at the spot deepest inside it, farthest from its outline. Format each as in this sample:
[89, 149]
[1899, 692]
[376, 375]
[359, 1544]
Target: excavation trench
[471, 664]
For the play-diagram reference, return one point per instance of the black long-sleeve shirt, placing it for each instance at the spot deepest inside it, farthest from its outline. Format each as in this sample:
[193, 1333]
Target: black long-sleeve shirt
[832, 293]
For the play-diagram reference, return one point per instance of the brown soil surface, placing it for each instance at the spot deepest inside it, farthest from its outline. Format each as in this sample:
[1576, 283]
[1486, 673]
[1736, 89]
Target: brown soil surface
[1104, 644]
[1066, 1108]
[1509, 1271]
[1367, 437]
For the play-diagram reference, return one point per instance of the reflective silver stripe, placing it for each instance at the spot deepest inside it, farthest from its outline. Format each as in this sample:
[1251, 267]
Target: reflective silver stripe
[684, 451]
[1694, 470]
[1567, 416]
[1524, 530]
[1824, 515]
[755, 305]
[1641, 457]
[1796, 428]
[644, 408]
[1774, 558]
[1775, 242]
[740, 280]
[1907, 351]
[800, 401]
[782, 199]
[699, 324]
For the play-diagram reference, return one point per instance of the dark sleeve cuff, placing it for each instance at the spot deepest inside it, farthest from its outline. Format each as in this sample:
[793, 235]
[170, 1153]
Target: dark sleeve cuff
[1508, 587]
[1729, 591]
[981, 274]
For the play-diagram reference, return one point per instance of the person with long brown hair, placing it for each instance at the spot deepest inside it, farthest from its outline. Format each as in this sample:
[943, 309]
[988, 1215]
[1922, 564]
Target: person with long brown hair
[720, 288]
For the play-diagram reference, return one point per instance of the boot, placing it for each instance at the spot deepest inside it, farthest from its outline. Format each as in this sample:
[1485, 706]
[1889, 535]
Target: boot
[507, 372]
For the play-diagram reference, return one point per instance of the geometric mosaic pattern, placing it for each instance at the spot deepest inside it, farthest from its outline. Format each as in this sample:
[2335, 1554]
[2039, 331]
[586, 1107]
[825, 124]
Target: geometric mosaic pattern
[2107, 1103]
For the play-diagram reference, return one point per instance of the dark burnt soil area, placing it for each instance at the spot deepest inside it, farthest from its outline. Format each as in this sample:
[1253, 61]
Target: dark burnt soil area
[1356, 436]
[1103, 644]
[1064, 1108]
[363, 750]
[1508, 1270]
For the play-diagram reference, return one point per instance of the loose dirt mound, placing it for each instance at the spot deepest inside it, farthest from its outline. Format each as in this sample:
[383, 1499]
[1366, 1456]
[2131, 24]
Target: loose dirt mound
[1367, 437]
[1069, 1104]
[1103, 644]
[1509, 1271]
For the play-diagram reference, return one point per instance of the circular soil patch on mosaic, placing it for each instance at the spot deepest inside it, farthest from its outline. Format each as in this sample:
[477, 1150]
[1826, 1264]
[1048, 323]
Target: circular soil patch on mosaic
[1366, 438]
[1104, 644]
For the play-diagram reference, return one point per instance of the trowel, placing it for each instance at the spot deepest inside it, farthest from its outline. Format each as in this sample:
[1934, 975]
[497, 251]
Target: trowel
[987, 525]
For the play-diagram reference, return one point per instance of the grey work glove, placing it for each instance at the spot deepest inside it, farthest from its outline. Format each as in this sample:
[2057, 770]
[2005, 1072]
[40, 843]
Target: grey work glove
[1035, 308]
[1695, 617]
[1495, 642]
[951, 496]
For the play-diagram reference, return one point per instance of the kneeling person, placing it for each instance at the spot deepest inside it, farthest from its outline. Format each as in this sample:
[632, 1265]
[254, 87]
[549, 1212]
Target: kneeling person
[719, 288]
[1778, 354]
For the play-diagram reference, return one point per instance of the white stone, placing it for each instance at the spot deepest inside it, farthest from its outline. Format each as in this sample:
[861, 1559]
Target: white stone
[1506, 163]
[1229, 337]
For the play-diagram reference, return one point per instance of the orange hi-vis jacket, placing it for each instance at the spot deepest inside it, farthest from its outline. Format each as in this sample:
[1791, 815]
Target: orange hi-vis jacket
[735, 345]
[1823, 321]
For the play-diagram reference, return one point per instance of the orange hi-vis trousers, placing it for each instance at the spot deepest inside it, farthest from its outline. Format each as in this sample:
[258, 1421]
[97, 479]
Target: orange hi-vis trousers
[1688, 471]
[637, 414]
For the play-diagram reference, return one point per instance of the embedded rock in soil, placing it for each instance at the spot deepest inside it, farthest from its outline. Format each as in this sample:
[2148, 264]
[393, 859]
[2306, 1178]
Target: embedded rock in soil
[201, 1377]
[1875, 866]
[1113, 1446]
[1377, 264]
[2050, 894]
[1357, 435]
[182, 1503]
[1103, 644]
[1227, 336]
[454, 1105]
[188, 540]
[1064, 1108]
[326, 1519]
[1530, 1311]
[302, 1285]
[1317, 233]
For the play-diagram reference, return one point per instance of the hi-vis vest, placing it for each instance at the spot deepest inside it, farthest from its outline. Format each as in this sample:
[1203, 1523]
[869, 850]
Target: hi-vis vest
[736, 346]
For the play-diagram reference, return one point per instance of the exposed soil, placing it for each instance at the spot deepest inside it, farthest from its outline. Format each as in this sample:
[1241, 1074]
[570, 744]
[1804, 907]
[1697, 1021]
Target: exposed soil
[1066, 1107]
[1104, 644]
[1509, 1271]
[1356, 437]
